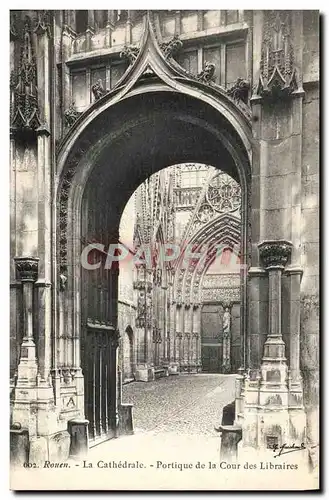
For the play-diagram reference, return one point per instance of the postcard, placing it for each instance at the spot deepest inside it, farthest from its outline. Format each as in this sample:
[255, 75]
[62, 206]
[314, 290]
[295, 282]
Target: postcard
[164, 258]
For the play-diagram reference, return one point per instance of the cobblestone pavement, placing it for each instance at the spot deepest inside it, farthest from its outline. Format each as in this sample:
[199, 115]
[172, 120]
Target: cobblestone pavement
[183, 404]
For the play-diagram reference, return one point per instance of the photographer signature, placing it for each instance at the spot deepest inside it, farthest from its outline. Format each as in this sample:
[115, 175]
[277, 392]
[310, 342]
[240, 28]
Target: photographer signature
[285, 448]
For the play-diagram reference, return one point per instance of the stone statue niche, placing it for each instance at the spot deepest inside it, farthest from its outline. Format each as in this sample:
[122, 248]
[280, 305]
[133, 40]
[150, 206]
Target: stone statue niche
[226, 340]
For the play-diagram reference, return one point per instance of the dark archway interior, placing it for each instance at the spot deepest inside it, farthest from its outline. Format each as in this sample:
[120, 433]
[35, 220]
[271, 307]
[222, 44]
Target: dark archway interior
[152, 132]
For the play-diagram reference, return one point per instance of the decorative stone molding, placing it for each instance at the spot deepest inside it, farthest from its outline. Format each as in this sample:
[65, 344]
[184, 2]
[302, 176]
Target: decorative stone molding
[71, 115]
[25, 111]
[309, 303]
[240, 90]
[13, 26]
[220, 294]
[130, 53]
[27, 268]
[115, 339]
[98, 90]
[207, 74]
[171, 48]
[275, 252]
[43, 22]
[278, 75]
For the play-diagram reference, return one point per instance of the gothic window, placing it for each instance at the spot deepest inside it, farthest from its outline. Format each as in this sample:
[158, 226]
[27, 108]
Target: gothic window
[100, 18]
[235, 62]
[232, 16]
[79, 94]
[189, 61]
[81, 21]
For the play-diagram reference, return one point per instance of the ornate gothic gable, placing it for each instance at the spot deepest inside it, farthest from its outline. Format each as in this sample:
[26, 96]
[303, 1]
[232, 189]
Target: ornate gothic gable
[278, 73]
[23, 84]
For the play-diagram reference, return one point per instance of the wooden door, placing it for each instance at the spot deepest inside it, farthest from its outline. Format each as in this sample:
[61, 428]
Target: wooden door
[211, 338]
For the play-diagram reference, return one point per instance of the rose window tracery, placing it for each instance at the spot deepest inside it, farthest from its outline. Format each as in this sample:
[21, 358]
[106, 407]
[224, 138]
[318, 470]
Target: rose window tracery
[224, 194]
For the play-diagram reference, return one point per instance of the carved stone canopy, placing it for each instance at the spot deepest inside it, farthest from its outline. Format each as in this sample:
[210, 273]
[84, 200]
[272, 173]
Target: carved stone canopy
[275, 252]
[278, 74]
[27, 268]
[25, 112]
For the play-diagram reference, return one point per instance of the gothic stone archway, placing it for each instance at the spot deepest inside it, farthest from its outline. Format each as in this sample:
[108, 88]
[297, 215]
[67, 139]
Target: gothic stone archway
[155, 117]
[151, 131]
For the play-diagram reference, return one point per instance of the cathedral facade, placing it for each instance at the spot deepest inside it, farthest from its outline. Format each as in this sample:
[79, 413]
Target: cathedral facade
[164, 218]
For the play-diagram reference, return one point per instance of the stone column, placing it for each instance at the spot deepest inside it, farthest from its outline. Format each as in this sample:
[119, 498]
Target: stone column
[109, 28]
[27, 269]
[275, 255]
[291, 301]
[128, 37]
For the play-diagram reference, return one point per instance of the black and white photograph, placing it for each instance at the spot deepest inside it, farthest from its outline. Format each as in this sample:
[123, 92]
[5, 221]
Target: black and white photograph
[164, 249]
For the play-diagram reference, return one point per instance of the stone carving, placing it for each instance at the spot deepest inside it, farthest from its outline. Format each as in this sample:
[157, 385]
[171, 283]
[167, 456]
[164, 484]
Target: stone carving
[207, 74]
[221, 294]
[25, 107]
[226, 322]
[129, 53]
[43, 22]
[226, 341]
[275, 253]
[27, 268]
[277, 73]
[222, 281]
[240, 90]
[224, 194]
[71, 115]
[156, 335]
[309, 303]
[205, 213]
[98, 90]
[115, 339]
[171, 48]
[62, 282]
[13, 26]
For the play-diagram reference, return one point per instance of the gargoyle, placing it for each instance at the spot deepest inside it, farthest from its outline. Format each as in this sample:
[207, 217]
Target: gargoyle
[239, 91]
[130, 53]
[171, 48]
[207, 74]
[98, 90]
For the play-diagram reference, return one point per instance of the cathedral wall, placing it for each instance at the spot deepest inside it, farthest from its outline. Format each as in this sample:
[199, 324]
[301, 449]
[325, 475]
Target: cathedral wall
[310, 211]
[310, 340]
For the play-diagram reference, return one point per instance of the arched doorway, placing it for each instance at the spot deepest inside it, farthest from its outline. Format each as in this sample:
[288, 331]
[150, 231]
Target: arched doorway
[120, 141]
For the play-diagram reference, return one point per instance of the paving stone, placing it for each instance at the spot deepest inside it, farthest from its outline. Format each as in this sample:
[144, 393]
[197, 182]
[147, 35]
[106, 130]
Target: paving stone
[188, 404]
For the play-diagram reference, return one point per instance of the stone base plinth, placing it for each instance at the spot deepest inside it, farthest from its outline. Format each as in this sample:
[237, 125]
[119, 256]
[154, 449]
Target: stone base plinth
[126, 424]
[144, 374]
[78, 432]
[173, 369]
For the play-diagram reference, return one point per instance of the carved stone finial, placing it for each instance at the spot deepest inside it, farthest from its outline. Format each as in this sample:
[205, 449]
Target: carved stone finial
[278, 75]
[239, 90]
[171, 48]
[98, 90]
[71, 115]
[25, 115]
[275, 252]
[130, 53]
[27, 268]
[207, 74]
